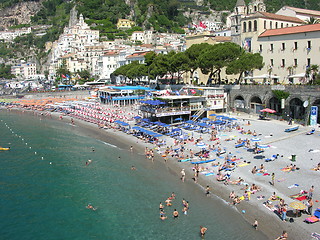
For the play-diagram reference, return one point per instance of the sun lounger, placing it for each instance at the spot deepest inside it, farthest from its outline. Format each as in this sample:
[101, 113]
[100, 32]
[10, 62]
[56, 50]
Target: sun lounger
[205, 161]
[239, 145]
[311, 132]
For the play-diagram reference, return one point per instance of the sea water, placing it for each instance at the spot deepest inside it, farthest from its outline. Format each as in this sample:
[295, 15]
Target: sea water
[46, 186]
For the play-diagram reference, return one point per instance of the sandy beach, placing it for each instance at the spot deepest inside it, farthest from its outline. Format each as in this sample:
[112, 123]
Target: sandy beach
[305, 147]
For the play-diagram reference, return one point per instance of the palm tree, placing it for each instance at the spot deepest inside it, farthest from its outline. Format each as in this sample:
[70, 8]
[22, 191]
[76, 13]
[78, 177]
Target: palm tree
[312, 20]
[312, 72]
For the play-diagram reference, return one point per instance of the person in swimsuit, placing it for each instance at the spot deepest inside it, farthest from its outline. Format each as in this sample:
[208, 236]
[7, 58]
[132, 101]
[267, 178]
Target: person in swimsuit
[175, 214]
[203, 231]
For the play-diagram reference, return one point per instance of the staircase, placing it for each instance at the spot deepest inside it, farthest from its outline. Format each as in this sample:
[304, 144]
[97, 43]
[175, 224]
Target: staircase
[198, 114]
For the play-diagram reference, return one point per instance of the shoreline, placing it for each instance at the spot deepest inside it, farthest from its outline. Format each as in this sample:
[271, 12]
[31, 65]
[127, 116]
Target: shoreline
[268, 223]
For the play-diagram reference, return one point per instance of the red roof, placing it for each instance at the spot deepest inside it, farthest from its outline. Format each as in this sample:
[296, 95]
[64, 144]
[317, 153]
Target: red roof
[277, 17]
[138, 54]
[291, 30]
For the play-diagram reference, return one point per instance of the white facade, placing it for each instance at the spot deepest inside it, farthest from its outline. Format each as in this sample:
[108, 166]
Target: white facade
[10, 35]
[137, 36]
[303, 14]
[223, 33]
[24, 70]
[288, 52]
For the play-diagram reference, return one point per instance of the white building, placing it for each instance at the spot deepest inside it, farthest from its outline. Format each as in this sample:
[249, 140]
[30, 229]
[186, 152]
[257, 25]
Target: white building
[303, 14]
[24, 70]
[288, 52]
[10, 35]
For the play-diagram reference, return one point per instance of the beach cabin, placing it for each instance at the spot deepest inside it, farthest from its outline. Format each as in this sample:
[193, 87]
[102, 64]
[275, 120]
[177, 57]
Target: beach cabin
[122, 95]
[173, 108]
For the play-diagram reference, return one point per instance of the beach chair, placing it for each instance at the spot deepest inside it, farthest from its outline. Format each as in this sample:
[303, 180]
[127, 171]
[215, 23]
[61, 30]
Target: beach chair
[312, 219]
[311, 132]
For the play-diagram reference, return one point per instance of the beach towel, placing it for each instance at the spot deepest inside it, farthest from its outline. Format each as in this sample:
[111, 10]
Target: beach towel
[243, 165]
[301, 198]
[285, 169]
[209, 174]
[312, 219]
[315, 235]
[281, 179]
[185, 160]
[293, 185]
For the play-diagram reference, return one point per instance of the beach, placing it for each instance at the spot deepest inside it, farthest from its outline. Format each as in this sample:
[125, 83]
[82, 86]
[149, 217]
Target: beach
[272, 134]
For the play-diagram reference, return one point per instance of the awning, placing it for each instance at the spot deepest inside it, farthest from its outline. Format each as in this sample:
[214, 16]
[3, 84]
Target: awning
[300, 75]
[121, 123]
[261, 76]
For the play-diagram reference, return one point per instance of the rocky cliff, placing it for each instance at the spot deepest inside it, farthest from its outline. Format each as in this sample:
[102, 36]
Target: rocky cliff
[19, 13]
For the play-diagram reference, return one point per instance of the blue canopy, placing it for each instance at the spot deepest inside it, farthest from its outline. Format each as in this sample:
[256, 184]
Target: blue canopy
[121, 123]
[137, 117]
[147, 131]
[153, 102]
[178, 119]
[176, 129]
[189, 121]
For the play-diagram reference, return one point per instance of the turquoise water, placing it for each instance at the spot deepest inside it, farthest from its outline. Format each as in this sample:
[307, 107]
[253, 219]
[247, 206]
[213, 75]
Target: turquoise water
[48, 201]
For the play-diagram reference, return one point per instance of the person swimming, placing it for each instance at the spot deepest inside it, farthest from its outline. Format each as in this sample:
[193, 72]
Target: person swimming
[91, 207]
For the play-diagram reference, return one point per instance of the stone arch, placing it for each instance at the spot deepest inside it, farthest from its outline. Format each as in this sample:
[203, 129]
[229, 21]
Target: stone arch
[239, 103]
[296, 109]
[274, 104]
[249, 26]
[255, 104]
[317, 103]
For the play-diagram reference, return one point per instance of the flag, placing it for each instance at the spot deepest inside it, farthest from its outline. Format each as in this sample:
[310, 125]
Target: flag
[201, 24]
[67, 76]
[193, 91]
[63, 76]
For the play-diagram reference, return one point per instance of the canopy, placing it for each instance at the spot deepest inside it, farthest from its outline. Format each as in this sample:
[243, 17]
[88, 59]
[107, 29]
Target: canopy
[153, 134]
[137, 117]
[300, 75]
[178, 119]
[121, 123]
[268, 110]
[297, 205]
[153, 102]
[261, 76]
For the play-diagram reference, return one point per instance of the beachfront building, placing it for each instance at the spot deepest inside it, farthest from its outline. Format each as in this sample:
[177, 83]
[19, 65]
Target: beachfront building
[24, 70]
[122, 95]
[289, 52]
[171, 107]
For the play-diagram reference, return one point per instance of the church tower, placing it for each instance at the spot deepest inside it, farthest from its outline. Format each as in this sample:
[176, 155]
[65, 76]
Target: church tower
[240, 11]
[256, 6]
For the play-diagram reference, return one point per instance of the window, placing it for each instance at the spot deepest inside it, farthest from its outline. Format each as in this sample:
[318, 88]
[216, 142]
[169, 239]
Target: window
[295, 62]
[265, 24]
[308, 62]
[271, 47]
[309, 45]
[255, 25]
[276, 25]
[283, 62]
[271, 62]
[281, 25]
[270, 25]
[283, 46]
[260, 48]
[250, 26]
[244, 27]
[295, 45]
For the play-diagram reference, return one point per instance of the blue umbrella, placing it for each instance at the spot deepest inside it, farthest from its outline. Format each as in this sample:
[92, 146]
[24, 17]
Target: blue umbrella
[212, 115]
[194, 116]
[205, 119]
[178, 119]
[255, 139]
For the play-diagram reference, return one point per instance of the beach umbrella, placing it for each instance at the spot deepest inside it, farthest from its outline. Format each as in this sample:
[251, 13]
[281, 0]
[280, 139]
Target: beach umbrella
[205, 119]
[201, 145]
[297, 205]
[233, 119]
[178, 119]
[212, 115]
[268, 110]
[255, 139]
[194, 116]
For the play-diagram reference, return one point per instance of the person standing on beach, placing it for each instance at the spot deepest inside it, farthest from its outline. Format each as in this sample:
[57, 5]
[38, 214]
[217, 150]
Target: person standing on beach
[311, 192]
[255, 224]
[310, 205]
[284, 212]
[207, 190]
[183, 175]
[272, 179]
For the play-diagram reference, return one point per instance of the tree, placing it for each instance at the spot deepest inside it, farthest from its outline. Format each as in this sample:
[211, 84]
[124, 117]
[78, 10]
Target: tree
[63, 70]
[193, 53]
[312, 20]
[279, 94]
[217, 56]
[246, 62]
[312, 73]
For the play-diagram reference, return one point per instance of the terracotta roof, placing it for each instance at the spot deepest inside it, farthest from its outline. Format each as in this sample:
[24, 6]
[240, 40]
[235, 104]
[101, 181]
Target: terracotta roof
[138, 54]
[110, 53]
[277, 17]
[304, 11]
[291, 30]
